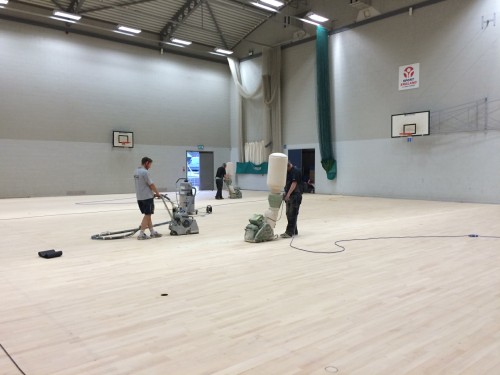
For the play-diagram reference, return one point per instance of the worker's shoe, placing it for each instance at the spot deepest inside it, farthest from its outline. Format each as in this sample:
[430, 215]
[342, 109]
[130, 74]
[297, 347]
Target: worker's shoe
[285, 235]
[156, 235]
[143, 236]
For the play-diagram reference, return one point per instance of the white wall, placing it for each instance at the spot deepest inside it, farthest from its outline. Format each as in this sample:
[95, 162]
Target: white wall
[299, 95]
[457, 59]
[63, 95]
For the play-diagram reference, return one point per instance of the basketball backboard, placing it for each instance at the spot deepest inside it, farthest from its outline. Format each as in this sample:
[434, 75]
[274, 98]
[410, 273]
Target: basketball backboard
[416, 123]
[123, 139]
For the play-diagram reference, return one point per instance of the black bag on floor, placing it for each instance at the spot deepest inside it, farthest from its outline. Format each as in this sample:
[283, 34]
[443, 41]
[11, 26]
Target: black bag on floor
[47, 254]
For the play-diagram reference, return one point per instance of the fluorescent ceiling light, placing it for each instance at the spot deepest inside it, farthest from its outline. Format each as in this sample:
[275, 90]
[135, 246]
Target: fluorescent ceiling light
[121, 32]
[63, 19]
[129, 29]
[176, 45]
[216, 53]
[274, 3]
[263, 6]
[180, 41]
[309, 21]
[316, 17]
[224, 51]
[71, 16]
[4, 2]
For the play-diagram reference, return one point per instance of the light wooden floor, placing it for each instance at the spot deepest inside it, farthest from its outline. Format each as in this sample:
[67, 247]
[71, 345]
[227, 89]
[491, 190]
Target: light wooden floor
[393, 306]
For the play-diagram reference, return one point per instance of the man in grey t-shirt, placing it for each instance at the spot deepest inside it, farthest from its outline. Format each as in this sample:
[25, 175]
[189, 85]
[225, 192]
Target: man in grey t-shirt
[145, 191]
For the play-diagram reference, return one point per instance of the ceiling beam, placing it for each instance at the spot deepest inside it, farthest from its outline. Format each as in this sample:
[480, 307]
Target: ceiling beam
[75, 6]
[268, 17]
[178, 19]
[219, 31]
[97, 9]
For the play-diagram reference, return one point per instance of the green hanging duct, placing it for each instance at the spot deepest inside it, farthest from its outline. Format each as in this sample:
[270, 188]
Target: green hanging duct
[323, 99]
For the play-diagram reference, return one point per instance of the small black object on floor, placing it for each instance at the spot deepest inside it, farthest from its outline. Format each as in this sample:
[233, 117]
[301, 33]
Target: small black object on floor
[47, 254]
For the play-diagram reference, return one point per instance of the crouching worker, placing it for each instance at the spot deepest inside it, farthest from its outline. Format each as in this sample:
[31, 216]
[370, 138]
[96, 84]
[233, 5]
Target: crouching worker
[145, 191]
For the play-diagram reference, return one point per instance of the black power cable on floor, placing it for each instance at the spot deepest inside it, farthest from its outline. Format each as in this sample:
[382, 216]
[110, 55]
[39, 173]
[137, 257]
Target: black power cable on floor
[121, 233]
[12, 359]
[342, 248]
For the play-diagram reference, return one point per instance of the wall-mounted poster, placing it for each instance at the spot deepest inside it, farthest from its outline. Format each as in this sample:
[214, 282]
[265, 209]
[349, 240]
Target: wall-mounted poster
[409, 76]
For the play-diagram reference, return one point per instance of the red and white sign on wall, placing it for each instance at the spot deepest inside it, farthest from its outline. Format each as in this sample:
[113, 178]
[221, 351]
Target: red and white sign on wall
[409, 76]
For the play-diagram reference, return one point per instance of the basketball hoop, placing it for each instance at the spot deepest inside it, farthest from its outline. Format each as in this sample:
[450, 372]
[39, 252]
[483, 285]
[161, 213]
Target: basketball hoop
[124, 144]
[409, 136]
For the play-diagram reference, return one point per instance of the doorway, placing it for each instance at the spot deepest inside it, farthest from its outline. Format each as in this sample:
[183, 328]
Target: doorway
[305, 160]
[200, 169]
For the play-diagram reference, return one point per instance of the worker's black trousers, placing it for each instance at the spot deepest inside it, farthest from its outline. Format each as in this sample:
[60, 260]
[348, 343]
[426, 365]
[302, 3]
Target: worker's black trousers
[292, 212]
[219, 183]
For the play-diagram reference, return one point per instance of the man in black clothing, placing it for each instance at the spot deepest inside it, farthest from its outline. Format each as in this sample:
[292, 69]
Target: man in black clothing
[293, 199]
[220, 176]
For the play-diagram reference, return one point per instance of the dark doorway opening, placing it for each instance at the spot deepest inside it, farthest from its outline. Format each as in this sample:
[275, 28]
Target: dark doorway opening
[305, 160]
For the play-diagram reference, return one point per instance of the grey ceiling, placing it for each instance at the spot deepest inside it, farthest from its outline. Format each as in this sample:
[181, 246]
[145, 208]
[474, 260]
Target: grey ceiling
[231, 24]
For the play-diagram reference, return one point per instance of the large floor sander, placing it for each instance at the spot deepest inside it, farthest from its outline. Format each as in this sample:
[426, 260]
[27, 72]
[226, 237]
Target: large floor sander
[182, 222]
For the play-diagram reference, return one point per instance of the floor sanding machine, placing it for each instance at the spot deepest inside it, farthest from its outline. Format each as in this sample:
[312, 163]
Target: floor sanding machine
[234, 191]
[186, 194]
[261, 227]
[181, 222]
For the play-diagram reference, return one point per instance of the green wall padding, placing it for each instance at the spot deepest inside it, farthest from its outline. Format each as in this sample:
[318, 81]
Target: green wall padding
[251, 168]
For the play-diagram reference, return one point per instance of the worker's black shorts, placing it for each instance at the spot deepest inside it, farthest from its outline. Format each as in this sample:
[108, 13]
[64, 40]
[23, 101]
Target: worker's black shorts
[147, 206]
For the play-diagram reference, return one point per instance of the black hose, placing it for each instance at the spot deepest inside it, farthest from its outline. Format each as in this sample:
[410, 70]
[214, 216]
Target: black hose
[120, 234]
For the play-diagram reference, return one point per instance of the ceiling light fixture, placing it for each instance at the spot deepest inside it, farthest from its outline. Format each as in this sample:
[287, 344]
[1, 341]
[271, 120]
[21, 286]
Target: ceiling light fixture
[129, 29]
[216, 53]
[173, 44]
[124, 33]
[181, 41]
[71, 16]
[316, 17]
[224, 51]
[4, 2]
[264, 7]
[274, 3]
[62, 19]
[309, 21]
